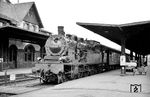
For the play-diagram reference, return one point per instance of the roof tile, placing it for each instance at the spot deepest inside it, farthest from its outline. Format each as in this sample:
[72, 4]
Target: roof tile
[15, 11]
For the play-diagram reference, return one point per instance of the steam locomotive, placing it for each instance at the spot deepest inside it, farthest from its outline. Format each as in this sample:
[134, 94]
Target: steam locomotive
[69, 57]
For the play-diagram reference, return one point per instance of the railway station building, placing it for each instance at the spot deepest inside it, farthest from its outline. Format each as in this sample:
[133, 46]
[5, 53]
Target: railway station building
[22, 36]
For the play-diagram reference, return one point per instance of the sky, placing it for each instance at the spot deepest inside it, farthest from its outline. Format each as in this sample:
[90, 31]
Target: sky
[66, 13]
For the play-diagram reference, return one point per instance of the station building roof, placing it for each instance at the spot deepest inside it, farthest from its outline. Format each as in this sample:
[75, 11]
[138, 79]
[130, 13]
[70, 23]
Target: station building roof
[136, 35]
[24, 35]
[18, 12]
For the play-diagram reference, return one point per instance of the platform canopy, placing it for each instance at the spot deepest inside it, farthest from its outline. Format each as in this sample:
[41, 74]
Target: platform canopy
[136, 35]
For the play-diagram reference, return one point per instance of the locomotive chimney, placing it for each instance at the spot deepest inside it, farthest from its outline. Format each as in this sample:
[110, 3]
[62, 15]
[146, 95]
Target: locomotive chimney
[61, 30]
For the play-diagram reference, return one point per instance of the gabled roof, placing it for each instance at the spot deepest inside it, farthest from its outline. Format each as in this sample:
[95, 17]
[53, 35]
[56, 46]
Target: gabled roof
[7, 18]
[18, 11]
[21, 9]
[7, 10]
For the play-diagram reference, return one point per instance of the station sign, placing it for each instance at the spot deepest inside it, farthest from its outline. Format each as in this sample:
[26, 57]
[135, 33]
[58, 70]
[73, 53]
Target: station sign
[122, 60]
[12, 77]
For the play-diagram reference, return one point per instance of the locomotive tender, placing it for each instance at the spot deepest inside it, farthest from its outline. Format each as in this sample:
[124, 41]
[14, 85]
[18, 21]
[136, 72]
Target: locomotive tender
[69, 57]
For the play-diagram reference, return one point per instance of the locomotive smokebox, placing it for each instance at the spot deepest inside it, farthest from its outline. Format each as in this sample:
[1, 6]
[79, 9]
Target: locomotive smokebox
[61, 30]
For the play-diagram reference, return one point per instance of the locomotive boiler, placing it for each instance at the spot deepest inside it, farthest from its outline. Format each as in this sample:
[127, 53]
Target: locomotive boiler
[69, 57]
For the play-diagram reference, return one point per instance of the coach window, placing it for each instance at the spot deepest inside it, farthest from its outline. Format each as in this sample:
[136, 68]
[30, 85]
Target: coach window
[29, 53]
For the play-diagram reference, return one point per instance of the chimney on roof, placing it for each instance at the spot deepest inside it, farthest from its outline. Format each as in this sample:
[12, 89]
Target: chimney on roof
[61, 30]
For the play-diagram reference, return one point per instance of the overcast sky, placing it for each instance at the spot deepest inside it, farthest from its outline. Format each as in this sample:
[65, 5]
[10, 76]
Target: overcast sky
[66, 13]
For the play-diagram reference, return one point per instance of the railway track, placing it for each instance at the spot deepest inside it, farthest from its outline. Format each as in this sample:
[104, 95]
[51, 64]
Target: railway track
[5, 79]
[22, 87]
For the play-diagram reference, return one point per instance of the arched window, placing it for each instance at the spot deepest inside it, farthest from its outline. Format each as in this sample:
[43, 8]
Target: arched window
[29, 53]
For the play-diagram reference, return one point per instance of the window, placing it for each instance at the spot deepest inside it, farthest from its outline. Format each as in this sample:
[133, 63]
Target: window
[31, 27]
[28, 26]
[36, 28]
[29, 53]
[25, 25]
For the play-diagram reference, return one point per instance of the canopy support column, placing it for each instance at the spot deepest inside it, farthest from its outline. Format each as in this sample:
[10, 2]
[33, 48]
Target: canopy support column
[123, 68]
[131, 55]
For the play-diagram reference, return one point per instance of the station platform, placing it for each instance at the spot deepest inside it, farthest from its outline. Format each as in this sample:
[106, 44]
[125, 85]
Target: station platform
[107, 84]
[16, 71]
[18, 74]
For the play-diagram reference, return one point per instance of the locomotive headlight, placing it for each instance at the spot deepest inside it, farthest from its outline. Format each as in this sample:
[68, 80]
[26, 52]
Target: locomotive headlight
[39, 58]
